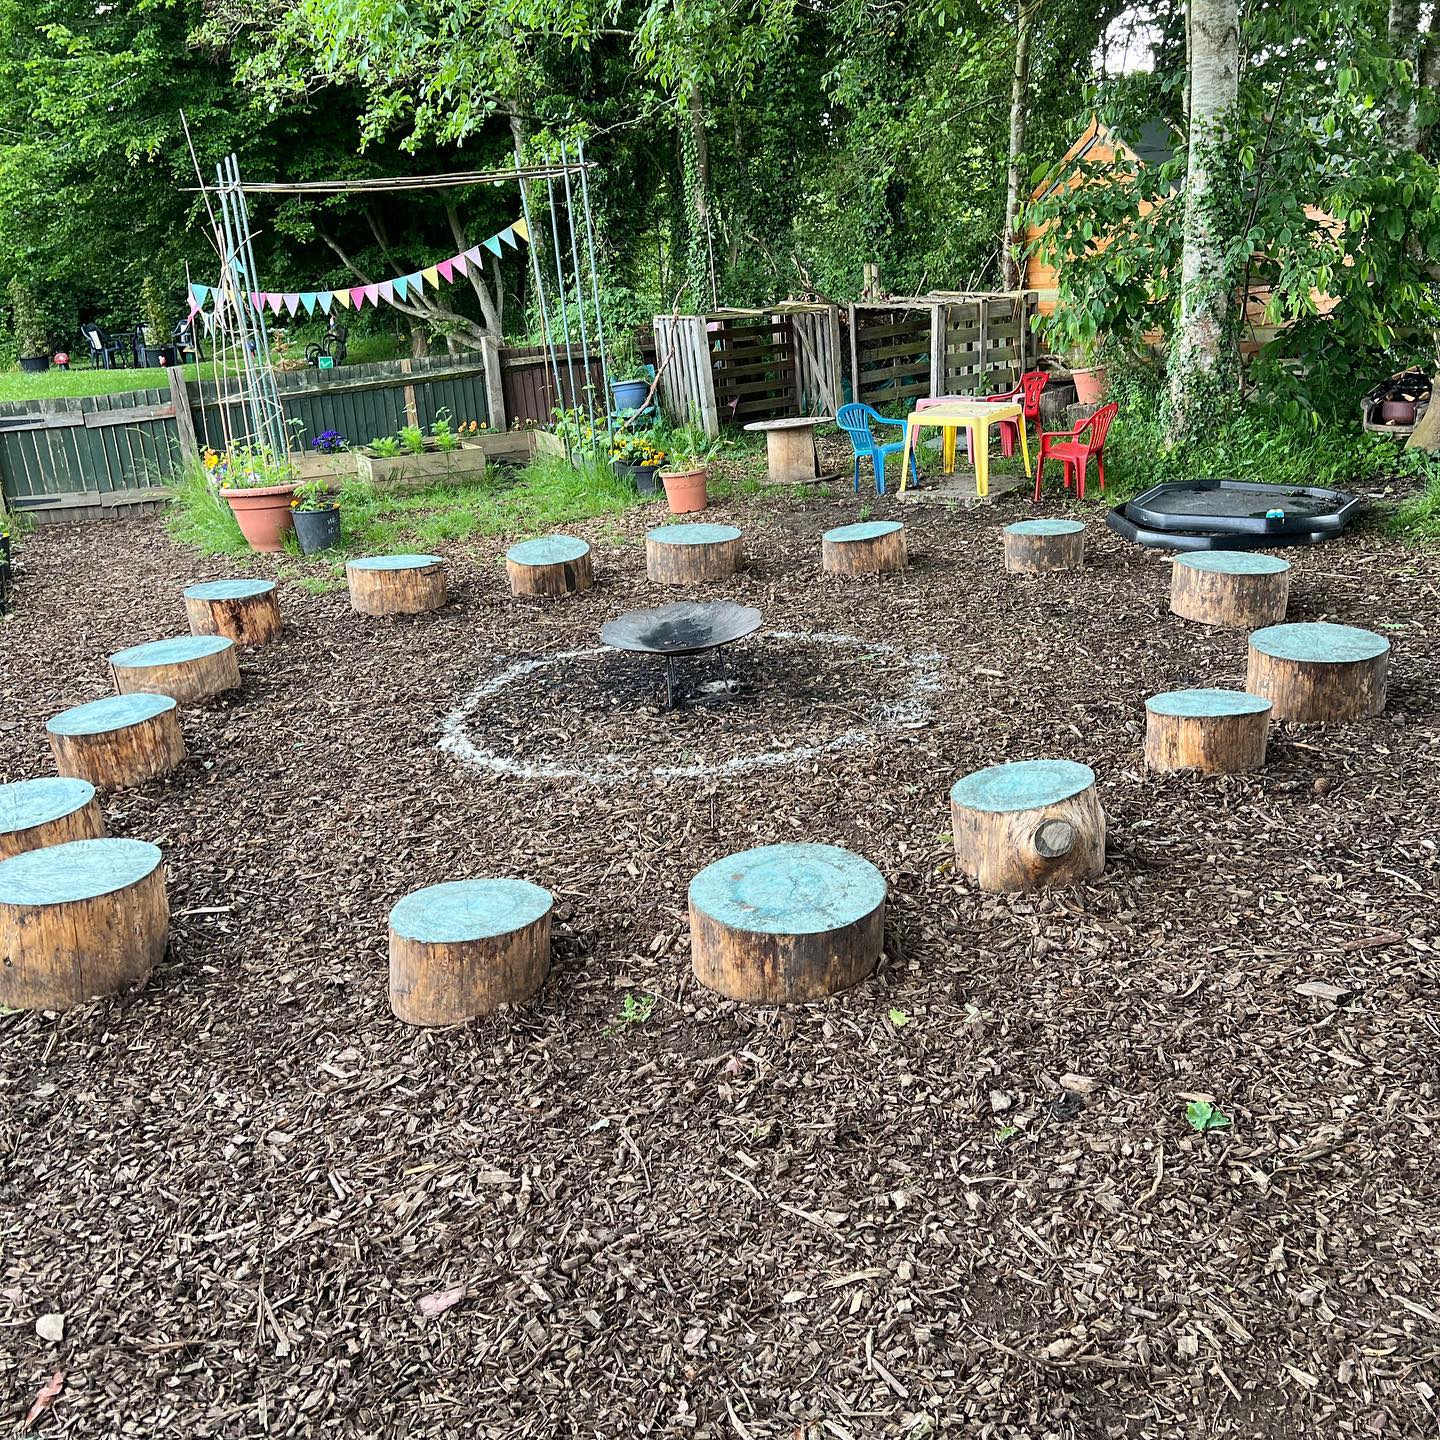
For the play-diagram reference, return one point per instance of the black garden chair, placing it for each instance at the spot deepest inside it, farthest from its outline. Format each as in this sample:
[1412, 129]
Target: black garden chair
[106, 352]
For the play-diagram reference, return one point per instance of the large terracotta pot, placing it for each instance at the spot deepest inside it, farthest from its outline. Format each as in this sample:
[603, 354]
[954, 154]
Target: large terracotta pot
[263, 514]
[1089, 385]
[684, 490]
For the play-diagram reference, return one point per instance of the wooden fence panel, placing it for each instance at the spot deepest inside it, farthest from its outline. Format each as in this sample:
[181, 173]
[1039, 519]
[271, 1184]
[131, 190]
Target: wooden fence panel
[890, 355]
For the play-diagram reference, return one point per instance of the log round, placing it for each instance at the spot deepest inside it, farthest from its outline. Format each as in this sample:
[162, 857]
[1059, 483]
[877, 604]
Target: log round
[784, 924]
[1028, 824]
[37, 813]
[464, 948]
[396, 584]
[550, 566]
[874, 547]
[1213, 731]
[189, 669]
[80, 920]
[690, 554]
[247, 611]
[118, 742]
[1230, 587]
[1319, 671]
[1041, 547]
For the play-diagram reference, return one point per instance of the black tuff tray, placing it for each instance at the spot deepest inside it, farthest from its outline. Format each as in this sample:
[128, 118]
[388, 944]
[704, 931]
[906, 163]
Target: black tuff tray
[1238, 507]
[1127, 529]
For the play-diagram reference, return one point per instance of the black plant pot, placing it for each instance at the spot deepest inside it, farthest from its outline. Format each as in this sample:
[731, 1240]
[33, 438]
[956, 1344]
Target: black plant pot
[148, 355]
[317, 530]
[643, 477]
[34, 364]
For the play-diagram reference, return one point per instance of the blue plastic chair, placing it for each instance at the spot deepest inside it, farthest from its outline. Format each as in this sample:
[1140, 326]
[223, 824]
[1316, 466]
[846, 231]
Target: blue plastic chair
[855, 420]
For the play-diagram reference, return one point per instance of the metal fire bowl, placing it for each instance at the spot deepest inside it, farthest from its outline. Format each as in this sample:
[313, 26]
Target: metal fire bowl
[684, 628]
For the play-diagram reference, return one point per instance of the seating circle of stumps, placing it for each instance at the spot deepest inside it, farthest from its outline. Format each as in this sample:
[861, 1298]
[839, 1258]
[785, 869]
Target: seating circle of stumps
[38, 813]
[692, 554]
[245, 611]
[550, 566]
[190, 668]
[396, 584]
[1043, 547]
[873, 547]
[1230, 587]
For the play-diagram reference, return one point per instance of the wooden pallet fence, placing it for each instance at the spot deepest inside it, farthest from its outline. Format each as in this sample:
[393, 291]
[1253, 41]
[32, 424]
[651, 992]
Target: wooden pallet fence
[890, 355]
[687, 381]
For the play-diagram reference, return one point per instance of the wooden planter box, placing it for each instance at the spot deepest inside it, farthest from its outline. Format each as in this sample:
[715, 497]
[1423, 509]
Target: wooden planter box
[338, 467]
[434, 467]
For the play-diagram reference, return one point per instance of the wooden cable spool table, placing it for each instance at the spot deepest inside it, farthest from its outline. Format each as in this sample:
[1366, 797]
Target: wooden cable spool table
[79, 920]
[549, 566]
[791, 455]
[1319, 671]
[118, 742]
[189, 668]
[38, 813]
[872, 547]
[1029, 823]
[783, 924]
[396, 584]
[691, 554]
[463, 948]
[1213, 731]
[246, 611]
[1042, 547]
[1230, 587]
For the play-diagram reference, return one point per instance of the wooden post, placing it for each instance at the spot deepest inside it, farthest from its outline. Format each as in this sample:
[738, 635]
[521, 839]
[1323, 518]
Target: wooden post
[118, 742]
[1230, 587]
[553, 565]
[396, 584]
[79, 920]
[184, 418]
[704, 373]
[412, 404]
[1028, 824]
[870, 548]
[984, 343]
[1213, 731]
[37, 813]
[246, 611]
[190, 668]
[464, 948]
[689, 554]
[870, 280]
[494, 384]
[855, 354]
[1319, 671]
[784, 924]
[1038, 547]
[938, 378]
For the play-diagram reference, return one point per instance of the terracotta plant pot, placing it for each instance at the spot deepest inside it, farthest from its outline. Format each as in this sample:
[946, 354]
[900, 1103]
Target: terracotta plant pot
[684, 489]
[263, 514]
[1089, 385]
[1398, 412]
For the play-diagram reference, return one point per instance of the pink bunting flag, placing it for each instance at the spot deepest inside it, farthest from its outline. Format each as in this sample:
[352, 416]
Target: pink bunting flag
[461, 264]
[274, 299]
[257, 300]
[357, 296]
[372, 294]
[475, 257]
[447, 270]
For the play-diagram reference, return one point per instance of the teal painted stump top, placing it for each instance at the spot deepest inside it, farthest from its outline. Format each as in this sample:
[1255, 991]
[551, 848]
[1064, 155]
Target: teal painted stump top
[115, 712]
[393, 562]
[693, 534]
[1204, 703]
[172, 652]
[79, 870]
[866, 530]
[1044, 527]
[1234, 562]
[788, 889]
[28, 803]
[229, 589]
[461, 910]
[547, 550]
[1320, 643]
[1022, 785]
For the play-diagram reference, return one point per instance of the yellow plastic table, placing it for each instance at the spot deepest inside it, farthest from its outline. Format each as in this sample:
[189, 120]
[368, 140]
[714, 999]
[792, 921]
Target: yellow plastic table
[976, 417]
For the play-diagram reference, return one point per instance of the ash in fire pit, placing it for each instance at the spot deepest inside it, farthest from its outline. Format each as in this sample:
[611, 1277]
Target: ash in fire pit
[685, 628]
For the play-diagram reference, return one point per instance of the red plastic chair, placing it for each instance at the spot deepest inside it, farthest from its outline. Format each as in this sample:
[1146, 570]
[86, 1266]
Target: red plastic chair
[1032, 382]
[1073, 452]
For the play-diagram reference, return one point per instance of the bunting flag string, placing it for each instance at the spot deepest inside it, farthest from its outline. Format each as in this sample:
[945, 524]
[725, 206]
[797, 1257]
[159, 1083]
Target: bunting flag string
[397, 290]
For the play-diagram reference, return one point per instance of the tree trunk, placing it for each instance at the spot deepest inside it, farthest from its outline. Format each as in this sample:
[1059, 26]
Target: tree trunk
[1407, 43]
[1012, 240]
[1204, 347]
[695, 159]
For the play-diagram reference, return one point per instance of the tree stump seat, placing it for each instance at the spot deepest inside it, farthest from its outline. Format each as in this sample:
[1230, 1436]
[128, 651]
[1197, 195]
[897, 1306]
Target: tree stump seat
[189, 669]
[691, 554]
[1213, 731]
[246, 611]
[550, 566]
[463, 948]
[873, 547]
[78, 920]
[1029, 823]
[1230, 587]
[1319, 671]
[783, 924]
[1043, 547]
[396, 584]
[118, 742]
[35, 814]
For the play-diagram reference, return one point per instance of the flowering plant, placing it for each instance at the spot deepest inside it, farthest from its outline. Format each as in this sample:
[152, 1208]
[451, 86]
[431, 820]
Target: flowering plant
[637, 450]
[248, 467]
[313, 495]
[329, 442]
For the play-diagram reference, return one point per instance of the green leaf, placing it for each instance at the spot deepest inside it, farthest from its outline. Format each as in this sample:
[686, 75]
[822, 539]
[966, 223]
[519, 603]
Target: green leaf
[899, 1019]
[1203, 1116]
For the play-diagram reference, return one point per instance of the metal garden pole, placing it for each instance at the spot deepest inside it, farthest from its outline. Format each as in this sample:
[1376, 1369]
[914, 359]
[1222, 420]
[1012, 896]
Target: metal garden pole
[560, 287]
[579, 295]
[263, 375]
[539, 279]
[233, 272]
[595, 284]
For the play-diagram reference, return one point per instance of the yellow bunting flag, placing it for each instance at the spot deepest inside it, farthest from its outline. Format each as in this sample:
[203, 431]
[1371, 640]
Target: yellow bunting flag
[521, 229]
[431, 274]
[342, 297]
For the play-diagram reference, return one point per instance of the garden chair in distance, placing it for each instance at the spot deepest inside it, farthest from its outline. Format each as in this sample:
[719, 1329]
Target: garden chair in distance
[1073, 452]
[855, 420]
[1032, 382]
[106, 352]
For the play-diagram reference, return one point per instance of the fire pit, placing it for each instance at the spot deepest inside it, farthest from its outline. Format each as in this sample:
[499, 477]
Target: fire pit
[685, 628]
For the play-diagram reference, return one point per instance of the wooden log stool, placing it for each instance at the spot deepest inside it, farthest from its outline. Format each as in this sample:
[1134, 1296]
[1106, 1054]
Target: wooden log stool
[79, 920]
[37, 813]
[118, 742]
[1213, 731]
[1319, 671]
[784, 924]
[247, 611]
[1230, 587]
[396, 584]
[873, 547]
[1028, 824]
[465, 948]
[1043, 547]
[189, 669]
[689, 554]
[552, 565]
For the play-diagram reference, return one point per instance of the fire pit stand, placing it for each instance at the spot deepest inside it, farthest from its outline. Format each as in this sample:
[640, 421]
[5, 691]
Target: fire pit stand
[685, 628]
